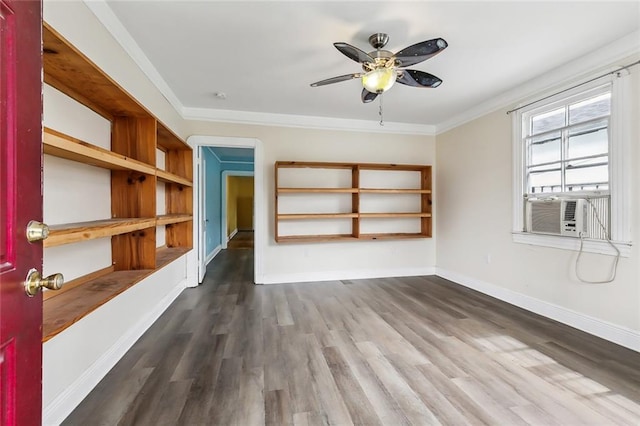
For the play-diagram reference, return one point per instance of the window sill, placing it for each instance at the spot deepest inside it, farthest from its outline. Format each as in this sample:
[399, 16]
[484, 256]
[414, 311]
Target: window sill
[571, 243]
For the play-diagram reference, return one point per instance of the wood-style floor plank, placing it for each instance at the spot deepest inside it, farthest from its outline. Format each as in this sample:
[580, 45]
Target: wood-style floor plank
[392, 351]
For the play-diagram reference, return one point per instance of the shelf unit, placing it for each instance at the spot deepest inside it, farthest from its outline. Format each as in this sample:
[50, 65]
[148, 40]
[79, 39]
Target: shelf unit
[136, 135]
[357, 216]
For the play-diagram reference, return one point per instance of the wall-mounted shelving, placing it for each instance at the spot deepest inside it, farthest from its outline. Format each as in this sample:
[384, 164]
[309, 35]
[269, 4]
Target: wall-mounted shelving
[136, 135]
[351, 189]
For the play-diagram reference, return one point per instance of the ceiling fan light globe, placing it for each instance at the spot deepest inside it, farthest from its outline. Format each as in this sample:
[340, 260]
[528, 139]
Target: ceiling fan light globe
[379, 80]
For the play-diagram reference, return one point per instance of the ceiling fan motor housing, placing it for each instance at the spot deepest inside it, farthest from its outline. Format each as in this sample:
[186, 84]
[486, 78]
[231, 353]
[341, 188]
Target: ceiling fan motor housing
[378, 40]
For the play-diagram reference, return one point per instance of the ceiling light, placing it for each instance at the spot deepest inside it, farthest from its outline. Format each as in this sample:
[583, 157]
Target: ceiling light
[379, 80]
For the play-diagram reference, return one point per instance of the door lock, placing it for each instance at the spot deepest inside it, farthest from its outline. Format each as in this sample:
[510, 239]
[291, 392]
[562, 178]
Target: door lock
[35, 282]
[37, 231]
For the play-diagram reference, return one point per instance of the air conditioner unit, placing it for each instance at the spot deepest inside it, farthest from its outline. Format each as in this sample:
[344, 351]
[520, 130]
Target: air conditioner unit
[557, 216]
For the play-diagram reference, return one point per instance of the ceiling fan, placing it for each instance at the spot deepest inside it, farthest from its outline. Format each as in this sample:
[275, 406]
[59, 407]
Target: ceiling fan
[382, 68]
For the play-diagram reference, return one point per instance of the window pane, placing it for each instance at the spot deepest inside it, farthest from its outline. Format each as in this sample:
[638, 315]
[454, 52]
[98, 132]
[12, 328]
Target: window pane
[590, 139]
[579, 179]
[598, 106]
[545, 149]
[548, 121]
[545, 179]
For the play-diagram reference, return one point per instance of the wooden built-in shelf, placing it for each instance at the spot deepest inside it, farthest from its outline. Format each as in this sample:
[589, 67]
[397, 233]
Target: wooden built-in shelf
[64, 146]
[391, 236]
[136, 137]
[172, 178]
[316, 238]
[63, 309]
[69, 233]
[295, 216]
[71, 72]
[317, 190]
[168, 219]
[417, 186]
[392, 215]
[394, 191]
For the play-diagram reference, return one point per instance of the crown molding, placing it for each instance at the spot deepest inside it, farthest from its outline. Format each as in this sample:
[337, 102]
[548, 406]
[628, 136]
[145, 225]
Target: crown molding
[110, 21]
[105, 15]
[569, 72]
[600, 60]
[305, 121]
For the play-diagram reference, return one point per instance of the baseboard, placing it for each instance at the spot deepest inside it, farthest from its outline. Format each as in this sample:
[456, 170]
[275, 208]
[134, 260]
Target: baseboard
[614, 333]
[302, 277]
[233, 234]
[213, 254]
[67, 401]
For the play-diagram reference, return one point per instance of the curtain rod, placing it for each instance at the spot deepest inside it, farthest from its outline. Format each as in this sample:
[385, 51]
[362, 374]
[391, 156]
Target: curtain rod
[573, 87]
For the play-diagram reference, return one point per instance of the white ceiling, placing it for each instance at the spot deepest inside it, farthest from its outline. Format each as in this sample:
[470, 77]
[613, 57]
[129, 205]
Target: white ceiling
[263, 55]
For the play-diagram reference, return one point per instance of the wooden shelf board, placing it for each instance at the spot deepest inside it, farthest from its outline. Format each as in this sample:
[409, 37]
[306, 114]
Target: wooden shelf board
[394, 191]
[392, 236]
[69, 71]
[168, 219]
[166, 255]
[64, 310]
[315, 238]
[317, 190]
[64, 146]
[82, 231]
[393, 215]
[167, 140]
[165, 176]
[313, 165]
[296, 216]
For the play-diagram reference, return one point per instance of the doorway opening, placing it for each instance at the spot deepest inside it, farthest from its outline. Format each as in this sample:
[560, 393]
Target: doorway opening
[219, 159]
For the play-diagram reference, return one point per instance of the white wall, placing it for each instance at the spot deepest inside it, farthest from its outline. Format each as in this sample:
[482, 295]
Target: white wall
[340, 260]
[475, 246]
[76, 359]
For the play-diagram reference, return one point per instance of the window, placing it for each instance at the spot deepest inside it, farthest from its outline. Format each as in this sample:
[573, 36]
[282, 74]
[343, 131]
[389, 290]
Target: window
[567, 144]
[574, 145]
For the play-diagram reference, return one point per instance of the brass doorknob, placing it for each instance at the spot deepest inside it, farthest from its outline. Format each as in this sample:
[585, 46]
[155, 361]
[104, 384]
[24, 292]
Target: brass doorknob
[35, 282]
[37, 231]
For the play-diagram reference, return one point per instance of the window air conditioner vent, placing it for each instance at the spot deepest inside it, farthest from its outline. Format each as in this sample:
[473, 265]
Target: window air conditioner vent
[567, 217]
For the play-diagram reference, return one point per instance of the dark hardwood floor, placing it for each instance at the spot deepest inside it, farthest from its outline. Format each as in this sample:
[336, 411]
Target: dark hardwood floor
[242, 240]
[390, 351]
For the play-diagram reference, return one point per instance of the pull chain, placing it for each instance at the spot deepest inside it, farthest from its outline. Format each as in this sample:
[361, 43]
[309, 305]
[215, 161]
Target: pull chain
[380, 112]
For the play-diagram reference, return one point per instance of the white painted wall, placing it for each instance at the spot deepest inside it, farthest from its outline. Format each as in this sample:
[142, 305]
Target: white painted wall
[340, 260]
[75, 360]
[475, 247]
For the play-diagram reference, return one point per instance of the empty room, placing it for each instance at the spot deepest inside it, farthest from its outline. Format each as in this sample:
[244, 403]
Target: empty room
[319, 212]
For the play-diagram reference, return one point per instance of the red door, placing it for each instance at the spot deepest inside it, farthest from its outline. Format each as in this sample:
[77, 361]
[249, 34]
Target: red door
[20, 202]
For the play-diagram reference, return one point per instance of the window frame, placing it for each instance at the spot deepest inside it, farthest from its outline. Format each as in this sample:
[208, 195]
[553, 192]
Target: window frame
[619, 166]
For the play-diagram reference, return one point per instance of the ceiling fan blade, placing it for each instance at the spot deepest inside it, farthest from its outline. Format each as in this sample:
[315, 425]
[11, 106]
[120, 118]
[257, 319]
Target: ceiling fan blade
[336, 79]
[417, 78]
[353, 53]
[368, 96]
[420, 52]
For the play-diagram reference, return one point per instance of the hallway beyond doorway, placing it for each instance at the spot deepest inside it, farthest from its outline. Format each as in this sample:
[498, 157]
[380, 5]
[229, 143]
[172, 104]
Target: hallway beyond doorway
[241, 240]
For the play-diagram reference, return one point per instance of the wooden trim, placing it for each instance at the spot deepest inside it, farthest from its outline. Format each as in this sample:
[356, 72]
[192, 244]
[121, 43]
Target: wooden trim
[64, 146]
[83, 231]
[46, 295]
